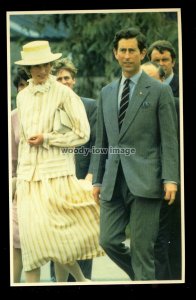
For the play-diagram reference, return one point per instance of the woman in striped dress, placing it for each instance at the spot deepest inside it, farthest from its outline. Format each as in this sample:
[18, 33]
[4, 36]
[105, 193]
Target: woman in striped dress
[58, 217]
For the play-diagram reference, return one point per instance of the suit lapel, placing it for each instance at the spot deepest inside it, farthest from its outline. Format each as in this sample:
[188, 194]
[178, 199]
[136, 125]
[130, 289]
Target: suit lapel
[139, 95]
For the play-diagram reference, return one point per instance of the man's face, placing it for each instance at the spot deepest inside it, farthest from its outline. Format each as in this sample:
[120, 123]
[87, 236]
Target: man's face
[164, 60]
[129, 56]
[64, 77]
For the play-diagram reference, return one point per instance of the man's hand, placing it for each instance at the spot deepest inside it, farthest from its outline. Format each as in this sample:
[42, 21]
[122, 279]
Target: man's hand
[96, 193]
[170, 192]
[36, 140]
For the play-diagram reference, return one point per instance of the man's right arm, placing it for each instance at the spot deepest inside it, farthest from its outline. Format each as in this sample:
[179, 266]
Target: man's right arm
[98, 157]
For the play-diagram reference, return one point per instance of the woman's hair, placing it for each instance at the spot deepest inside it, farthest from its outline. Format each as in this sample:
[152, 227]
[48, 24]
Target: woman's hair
[161, 46]
[27, 69]
[64, 64]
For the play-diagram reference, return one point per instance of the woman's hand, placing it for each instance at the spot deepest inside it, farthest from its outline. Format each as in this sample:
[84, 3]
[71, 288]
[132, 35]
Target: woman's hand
[96, 193]
[36, 140]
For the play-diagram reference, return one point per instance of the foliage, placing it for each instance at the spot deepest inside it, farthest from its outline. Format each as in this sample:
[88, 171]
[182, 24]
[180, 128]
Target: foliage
[88, 41]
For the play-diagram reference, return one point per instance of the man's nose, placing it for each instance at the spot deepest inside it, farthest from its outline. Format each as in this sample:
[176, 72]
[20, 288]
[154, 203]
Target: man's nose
[64, 81]
[127, 54]
[161, 62]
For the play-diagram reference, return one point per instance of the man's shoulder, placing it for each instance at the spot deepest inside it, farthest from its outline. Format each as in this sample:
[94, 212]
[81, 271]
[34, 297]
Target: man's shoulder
[175, 80]
[176, 77]
[111, 85]
[87, 101]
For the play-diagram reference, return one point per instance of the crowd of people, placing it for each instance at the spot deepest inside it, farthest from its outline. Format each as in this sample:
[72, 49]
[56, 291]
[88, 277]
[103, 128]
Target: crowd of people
[69, 207]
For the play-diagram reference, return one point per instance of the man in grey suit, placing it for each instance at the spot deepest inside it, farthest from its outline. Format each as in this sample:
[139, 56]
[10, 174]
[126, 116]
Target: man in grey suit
[65, 72]
[136, 163]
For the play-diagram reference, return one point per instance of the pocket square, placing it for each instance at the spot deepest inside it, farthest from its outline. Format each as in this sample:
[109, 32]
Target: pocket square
[145, 104]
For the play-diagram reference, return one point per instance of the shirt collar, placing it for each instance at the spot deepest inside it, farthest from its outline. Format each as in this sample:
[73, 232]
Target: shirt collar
[169, 78]
[133, 78]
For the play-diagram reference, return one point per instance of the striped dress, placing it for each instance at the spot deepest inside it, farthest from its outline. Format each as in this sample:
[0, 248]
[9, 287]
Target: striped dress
[14, 147]
[58, 217]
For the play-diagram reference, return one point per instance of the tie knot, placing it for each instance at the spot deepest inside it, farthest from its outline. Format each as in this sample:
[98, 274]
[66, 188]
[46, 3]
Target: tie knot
[127, 81]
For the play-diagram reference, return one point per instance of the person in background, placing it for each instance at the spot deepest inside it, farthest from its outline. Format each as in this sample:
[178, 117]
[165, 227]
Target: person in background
[153, 70]
[65, 72]
[20, 82]
[163, 53]
[168, 246]
[58, 218]
[135, 113]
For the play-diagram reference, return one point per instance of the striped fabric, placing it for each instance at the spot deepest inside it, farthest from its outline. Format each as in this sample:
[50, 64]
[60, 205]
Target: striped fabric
[57, 215]
[58, 221]
[36, 115]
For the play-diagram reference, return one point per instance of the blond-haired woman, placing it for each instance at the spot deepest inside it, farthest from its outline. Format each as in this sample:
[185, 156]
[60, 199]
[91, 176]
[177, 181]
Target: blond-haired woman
[58, 218]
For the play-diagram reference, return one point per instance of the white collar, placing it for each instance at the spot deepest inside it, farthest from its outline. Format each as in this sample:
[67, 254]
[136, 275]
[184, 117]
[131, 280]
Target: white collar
[41, 88]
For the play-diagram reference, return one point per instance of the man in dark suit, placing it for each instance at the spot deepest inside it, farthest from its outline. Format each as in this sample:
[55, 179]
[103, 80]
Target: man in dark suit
[65, 72]
[163, 53]
[140, 159]
[168, 245]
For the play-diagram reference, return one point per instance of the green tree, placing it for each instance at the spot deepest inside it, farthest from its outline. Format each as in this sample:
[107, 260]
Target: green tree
[88, 41]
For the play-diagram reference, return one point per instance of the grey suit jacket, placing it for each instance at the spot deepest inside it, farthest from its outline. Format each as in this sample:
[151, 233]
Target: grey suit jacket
[149, 127]
[84, 162]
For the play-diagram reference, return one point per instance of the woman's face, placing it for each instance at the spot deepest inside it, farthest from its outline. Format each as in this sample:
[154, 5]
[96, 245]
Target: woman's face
[40, 73]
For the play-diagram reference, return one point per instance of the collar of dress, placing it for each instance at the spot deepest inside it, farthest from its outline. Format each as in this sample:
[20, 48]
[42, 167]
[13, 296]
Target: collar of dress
[41, 88]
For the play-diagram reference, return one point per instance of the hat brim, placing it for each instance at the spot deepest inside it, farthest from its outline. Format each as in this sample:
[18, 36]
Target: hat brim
[34, 62]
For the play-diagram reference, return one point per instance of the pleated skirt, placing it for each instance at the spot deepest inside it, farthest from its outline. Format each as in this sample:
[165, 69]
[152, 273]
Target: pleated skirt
[58, 220]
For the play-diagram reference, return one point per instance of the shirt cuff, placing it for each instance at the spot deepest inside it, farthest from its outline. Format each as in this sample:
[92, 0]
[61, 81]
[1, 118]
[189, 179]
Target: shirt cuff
[97, 184]
[46, 141]
[169, 181]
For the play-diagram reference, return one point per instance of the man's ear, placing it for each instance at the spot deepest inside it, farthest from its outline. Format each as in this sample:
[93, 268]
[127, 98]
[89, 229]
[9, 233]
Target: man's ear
[173, 63]
[114, 52]
[143, 53]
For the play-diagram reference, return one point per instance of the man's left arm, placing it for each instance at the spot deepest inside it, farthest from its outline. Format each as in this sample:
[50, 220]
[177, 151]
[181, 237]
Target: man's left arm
[169, 143]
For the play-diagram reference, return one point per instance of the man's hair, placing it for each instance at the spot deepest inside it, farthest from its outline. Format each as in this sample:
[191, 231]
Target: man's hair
[130, 33]
[20, 75]
[157, 66]
[161, 46]
[64, 64]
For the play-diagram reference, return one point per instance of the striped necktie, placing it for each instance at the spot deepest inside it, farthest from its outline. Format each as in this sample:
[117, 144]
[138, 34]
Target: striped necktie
[124, 102]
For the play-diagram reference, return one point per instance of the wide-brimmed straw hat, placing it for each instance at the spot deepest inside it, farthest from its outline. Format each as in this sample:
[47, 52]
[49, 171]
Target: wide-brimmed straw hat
[37, 53]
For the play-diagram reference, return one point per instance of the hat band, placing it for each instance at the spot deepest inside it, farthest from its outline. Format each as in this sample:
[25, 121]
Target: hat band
[33, 48]
[38, 54]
